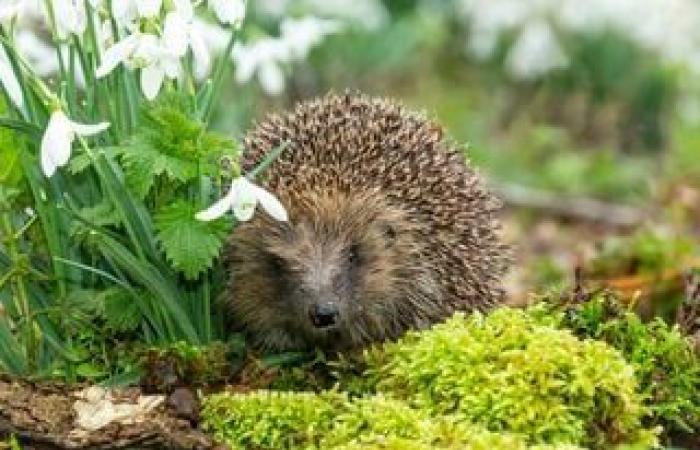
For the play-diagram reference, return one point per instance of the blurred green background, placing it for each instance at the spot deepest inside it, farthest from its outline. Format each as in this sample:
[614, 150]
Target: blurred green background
[558, 102]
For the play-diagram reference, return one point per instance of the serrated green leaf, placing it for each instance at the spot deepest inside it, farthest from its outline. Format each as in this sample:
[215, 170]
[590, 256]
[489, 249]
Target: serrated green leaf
[171, 145]
[189, 244]
[121, 313]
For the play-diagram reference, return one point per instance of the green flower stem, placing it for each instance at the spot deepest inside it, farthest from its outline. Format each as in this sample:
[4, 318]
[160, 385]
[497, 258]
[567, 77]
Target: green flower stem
[71, 88]
[89, 76]
[54, 37]
[206, 109]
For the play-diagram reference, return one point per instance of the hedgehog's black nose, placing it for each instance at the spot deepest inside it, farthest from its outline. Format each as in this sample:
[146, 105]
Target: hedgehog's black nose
[324, 315]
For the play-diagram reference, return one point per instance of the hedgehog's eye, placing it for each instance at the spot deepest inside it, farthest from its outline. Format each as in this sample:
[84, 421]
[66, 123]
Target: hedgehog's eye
[276, 263]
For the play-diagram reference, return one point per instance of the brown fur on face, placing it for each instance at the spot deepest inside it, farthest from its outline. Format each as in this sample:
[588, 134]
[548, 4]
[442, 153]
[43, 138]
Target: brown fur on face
[357, 252]
[388, 224]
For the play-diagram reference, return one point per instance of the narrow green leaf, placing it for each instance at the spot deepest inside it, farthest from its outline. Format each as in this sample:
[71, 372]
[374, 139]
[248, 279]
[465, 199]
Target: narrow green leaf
[11, 356]
[21, 126]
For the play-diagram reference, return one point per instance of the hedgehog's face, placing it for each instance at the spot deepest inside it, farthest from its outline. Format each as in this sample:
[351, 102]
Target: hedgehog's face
[338, 275]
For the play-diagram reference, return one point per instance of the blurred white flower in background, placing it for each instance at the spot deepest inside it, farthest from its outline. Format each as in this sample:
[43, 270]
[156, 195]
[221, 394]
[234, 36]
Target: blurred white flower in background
[536, 51]
[301, 35]
[370, 14]
[263, 57]
[58, 140]
[267, 56]
[242, 198]
[671, 28]
[37, 52]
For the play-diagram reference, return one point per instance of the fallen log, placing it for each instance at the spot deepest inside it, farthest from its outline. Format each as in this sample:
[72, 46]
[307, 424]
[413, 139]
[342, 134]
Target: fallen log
[52, 416]
[570, 207]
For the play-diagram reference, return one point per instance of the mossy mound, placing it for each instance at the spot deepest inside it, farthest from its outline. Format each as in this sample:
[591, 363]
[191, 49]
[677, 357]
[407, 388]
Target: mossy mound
[331, 420]
[510, 372]
[509, 380]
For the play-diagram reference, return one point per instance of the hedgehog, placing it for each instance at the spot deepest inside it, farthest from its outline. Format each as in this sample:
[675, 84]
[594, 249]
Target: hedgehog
[389, 229]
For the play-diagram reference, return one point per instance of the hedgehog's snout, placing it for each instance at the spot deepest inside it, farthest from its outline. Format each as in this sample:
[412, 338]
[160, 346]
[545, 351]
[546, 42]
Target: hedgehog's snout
[324, 315]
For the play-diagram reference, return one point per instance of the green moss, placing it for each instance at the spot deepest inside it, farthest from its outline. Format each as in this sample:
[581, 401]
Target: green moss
[270, 420]
[509, 372]
[275, 420]
[665, 364]
[511, 380]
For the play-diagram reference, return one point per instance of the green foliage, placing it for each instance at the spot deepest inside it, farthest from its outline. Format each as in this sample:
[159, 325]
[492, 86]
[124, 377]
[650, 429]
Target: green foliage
[190, 244]
[113, 308]
[170, 149]
[648, 251]
[509, 372]
[10, 171]
[546, 157]
[667, 368]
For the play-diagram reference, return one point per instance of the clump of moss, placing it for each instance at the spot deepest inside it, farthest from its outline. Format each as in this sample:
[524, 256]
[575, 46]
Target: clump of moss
[271, 420]
[274, 420]
[509, 372]
[665, 364]
[510, 380]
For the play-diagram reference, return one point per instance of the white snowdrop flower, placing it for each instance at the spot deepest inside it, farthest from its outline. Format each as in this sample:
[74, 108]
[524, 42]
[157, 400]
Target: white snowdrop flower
[535, 52]
[129, 11]
[70, 17]
[264, 58]
[230, 12]
[118, 53]
[126, 13]
[300, 35]
[9, 80]
[242, 198]
[156, 62]
[146, 52]
[180, 33]
[58, 139]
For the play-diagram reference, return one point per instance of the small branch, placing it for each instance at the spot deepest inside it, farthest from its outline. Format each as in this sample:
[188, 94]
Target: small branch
[570, 207]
